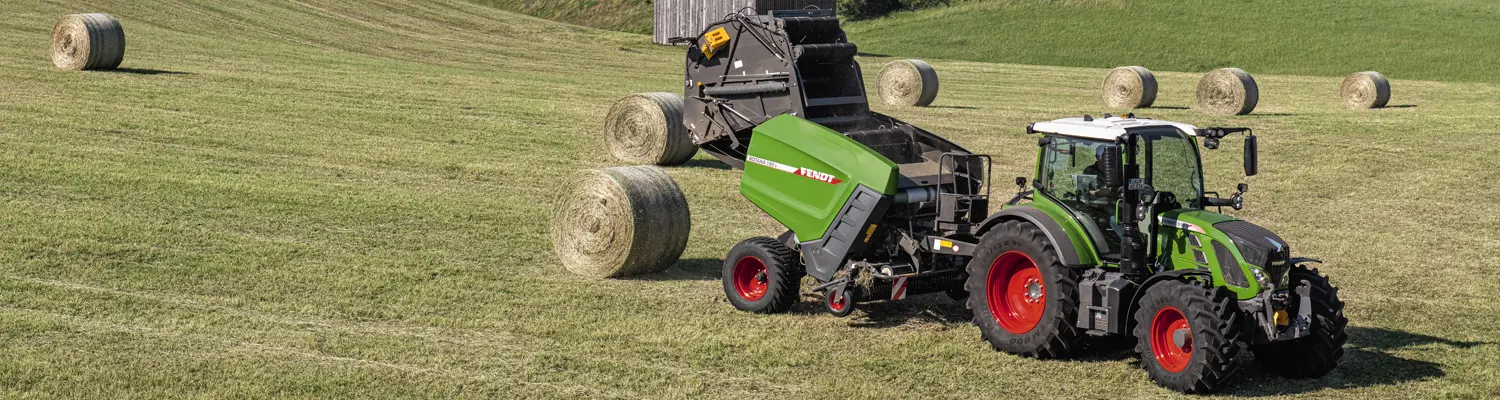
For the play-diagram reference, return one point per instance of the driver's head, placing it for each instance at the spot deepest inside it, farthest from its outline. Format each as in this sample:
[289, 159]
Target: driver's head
[1099, 157]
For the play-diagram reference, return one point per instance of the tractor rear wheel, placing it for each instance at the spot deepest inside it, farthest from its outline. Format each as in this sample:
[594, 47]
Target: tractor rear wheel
[761, 275]
[1188, 335]
[1024, 300]
[1317, 353]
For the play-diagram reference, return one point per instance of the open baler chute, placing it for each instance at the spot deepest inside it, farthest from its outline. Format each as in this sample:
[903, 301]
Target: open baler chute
[798, 63]
[748, 76]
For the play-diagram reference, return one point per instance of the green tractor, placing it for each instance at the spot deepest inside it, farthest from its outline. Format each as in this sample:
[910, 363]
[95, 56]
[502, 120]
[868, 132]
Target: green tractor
[1113, 240]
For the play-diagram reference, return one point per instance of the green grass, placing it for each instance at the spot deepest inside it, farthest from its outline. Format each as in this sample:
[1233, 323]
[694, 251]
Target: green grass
[1449, 40]
[340, 198]
[632, 16]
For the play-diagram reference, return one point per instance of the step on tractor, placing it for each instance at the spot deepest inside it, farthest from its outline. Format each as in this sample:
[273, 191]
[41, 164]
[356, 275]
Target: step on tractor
[1111, 238]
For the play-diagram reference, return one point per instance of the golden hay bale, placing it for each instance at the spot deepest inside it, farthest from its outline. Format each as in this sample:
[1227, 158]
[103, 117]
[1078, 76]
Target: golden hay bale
[1228, 91]
[1129, 87]
[88, 42]
[1367, 89]
[621, 221]
[908, 83]
[646, 128]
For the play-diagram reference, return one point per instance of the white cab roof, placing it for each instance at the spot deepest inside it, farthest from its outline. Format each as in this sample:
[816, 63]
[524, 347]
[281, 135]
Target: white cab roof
[1104, 128]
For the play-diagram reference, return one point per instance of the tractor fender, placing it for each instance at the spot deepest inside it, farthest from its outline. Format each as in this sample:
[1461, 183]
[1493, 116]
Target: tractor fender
[1140, 291]
[1066, 251]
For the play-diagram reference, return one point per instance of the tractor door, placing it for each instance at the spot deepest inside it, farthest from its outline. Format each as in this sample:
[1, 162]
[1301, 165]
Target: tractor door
[1169, 164]
[1070, 175]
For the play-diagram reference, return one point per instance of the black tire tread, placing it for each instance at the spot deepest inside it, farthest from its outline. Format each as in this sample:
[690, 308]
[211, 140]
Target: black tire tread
[783, 262]
[1063, 286]
[1213, 314]
[1318, 353]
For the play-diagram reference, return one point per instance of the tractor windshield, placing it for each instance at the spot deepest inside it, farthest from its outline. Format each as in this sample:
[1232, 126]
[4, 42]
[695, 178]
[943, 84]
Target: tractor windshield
[1170, 163]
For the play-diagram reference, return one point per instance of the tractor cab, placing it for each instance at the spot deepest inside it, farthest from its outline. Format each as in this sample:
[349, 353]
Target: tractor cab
[1117, 176]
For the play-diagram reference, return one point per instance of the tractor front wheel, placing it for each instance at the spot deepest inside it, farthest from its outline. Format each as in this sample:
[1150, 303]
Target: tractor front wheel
[761, 275]
[1188, 335]
[1317, 353]
[1024, 300]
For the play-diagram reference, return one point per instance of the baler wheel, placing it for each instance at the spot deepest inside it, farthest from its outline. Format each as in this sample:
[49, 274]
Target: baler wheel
[1317, 353]
[1023, 299]
[1188, 335]
[839, 306]
[761, 275]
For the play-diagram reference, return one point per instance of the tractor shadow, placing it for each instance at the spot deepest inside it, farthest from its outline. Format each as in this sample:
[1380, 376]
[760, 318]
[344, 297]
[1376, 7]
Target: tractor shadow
[1367, 362]
[924, 309]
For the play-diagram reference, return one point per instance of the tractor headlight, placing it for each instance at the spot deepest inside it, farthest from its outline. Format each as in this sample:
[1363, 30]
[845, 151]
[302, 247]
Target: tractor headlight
[1262, 278]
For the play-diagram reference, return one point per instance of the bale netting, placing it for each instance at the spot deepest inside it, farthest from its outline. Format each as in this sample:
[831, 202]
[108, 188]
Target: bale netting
[1129, 87]
[621, 221]
[88, 42]
[1228, 91]
[646, 128]
[908, 83]
[1367, 89]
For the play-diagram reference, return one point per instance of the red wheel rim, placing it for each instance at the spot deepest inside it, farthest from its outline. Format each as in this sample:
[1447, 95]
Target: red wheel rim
[1171, 339]
[837, 306]
[1017, 296]
[750, 279]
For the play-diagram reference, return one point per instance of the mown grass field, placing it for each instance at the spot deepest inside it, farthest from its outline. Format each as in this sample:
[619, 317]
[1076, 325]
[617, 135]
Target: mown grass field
[1449, 40]
[340, 198]
[632, 16]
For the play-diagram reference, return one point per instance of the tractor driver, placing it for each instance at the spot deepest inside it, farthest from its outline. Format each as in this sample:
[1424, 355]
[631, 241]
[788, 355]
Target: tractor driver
[1103, 199]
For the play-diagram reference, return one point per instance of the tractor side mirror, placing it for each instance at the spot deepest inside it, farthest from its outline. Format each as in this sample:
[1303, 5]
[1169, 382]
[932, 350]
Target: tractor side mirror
[1113, 177]
[1252, 154]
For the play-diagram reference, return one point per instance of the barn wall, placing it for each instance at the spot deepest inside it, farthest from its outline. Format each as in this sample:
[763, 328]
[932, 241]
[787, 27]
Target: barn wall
[687, 18]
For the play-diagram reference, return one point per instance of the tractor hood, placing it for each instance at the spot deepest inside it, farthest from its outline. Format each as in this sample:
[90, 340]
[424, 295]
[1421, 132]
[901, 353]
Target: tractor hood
[1256, 245]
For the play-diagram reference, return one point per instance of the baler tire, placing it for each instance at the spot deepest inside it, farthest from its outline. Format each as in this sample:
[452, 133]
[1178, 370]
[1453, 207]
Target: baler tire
[1002, 313]
[774, 273]
[1212, 318]
[1319, 352]
[842, 308]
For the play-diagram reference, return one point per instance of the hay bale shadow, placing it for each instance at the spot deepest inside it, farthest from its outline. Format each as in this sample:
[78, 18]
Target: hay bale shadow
[146, 71]
[955, 107]
[687, 269]
[710, 164]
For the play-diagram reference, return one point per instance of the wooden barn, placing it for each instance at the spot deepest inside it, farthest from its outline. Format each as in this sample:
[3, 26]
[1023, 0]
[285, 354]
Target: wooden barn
[687, 18]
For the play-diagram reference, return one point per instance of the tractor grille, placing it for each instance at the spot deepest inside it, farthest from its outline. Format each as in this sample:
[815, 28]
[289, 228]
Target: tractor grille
[1260, 246]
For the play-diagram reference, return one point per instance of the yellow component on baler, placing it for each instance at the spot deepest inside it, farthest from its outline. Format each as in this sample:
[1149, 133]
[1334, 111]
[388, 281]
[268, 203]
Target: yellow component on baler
[1282, 318]
[713, 41]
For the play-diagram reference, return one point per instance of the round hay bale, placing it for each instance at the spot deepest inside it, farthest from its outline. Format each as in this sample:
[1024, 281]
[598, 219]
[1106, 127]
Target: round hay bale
[88, 42]
[646, 128]
[1129, 87]
[1228, 91]
[1367, 89]
[908, 83]
[621, 221]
